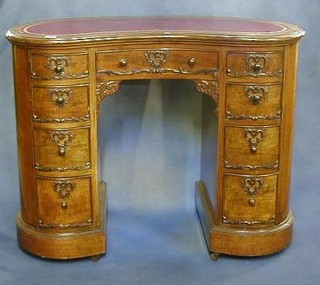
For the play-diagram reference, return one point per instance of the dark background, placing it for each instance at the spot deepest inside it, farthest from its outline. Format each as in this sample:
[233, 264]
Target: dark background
[150, 152]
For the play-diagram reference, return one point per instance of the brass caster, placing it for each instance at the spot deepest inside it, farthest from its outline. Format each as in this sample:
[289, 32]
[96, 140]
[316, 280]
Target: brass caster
[214, 256]
[96, 258]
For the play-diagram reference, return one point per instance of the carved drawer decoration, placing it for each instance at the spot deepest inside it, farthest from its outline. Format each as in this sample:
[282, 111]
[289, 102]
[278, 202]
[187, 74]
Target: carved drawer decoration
[253, 101]
[58, 67]
[194, 64]
[64, 203]
[255, 65]
[249, 200]
[60, 104]
[62, 150]
[251, 148]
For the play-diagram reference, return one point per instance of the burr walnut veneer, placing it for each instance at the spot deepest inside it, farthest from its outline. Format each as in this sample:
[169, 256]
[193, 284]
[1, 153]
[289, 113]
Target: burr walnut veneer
[246, 70]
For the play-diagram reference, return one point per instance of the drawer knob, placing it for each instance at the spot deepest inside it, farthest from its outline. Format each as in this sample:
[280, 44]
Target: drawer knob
[252, 202]
[256, 93]
[64, 205]
[60, 101]
[257, 62]
[60, 96]
[123, 62]
[191, 61]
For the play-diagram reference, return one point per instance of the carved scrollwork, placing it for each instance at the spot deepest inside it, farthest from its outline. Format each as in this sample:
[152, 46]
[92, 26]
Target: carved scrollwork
[180, 70]
[274, 165]
[254, 137]
[231, 116]
[226, 220]
[62, 139]
[87, 223]
[37, 119]
[40, 167]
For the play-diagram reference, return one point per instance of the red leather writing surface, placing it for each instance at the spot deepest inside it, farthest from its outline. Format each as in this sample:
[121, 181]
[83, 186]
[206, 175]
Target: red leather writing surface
[105, 25]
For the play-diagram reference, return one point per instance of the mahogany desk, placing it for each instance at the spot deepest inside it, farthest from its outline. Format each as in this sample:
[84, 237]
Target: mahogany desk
[63, 69]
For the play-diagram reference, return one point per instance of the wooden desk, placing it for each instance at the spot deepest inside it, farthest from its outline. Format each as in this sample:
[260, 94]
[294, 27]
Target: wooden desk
[247, 70]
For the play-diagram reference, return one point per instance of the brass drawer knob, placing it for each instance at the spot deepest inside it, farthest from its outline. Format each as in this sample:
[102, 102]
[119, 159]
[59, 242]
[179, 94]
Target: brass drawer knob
[64, 205]
[251, 202]
[123, 62]
[191, 61]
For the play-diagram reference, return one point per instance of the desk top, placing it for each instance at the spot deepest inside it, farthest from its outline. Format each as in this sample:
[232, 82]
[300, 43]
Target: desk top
[100, 29]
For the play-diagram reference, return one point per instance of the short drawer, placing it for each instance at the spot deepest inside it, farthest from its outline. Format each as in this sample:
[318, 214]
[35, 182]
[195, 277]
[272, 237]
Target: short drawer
[64, 203]
[59, 66]
[251, 148]
[60, 103]
[62, 149]
[244, 65]
[253, 101]
[249, 200]
[160, 61]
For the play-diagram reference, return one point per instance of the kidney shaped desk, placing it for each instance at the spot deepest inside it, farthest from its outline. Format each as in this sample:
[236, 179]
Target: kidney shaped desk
[246, 70]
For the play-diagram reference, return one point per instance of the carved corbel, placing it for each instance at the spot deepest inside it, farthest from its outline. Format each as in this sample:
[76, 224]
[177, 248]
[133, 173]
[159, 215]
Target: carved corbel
[210, 88]
[106, 88]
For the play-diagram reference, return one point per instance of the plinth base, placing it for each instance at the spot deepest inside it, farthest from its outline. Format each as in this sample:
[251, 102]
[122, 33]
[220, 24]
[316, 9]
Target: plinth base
[237, 241]
[91, 243]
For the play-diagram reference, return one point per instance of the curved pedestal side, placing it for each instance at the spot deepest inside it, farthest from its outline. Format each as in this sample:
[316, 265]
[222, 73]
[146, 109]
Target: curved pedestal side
[241, 242]
[62, 245]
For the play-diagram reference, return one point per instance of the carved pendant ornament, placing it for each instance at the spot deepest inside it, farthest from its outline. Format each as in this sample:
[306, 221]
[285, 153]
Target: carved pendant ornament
[157, 58]
[62, 139]
[64, 188]
[254, 137]
[251, 187]
[255, 94]
[60, 96]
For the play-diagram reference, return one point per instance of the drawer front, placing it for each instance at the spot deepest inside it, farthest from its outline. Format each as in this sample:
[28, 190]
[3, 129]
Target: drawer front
[64, 203]
[62, 150]
[60, 104]
[155, 62]
[249, 200]
[251, 148]
[59, 66]
[253, 101]
[268, 65]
